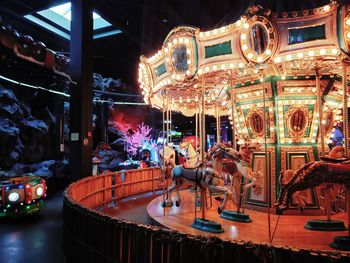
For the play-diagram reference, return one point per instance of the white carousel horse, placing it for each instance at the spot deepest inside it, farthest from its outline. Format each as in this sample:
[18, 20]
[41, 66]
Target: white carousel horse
[244, 170]
[191, 156]
[167, 160]
[204, 177]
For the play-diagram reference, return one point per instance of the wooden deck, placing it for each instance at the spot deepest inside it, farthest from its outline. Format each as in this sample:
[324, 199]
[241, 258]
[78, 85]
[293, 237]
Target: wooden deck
[290, 231]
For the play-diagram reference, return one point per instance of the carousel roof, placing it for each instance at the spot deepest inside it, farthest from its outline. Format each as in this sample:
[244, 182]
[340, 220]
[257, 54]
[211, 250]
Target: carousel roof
[259, 46]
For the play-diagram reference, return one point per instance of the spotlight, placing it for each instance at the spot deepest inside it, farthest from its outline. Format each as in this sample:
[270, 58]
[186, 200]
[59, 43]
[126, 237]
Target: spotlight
[13, 197]
[39, 191]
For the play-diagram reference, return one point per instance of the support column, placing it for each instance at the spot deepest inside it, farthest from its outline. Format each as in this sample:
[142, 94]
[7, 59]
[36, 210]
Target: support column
[103, 122]
[59, 129]
[81, 94]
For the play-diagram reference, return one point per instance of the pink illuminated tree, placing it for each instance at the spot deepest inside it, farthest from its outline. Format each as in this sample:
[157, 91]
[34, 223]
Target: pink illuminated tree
[135, 141]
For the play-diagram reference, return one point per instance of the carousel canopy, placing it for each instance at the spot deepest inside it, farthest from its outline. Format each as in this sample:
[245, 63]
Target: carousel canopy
[248, 52]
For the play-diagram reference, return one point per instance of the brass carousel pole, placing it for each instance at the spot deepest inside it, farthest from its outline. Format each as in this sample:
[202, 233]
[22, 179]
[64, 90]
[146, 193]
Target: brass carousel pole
[342, 242]
[346, 133]
[195, 189]
[170, 123]
[217, 121]
[203, 192]
[167, 121]
[345, 112]
[321, 128]
[234, 146]
[320, 110]
[196, 127]
[163, 134]
[200, 130]
[267, 172]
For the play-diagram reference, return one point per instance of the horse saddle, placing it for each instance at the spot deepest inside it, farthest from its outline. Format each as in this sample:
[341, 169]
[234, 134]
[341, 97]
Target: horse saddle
[340, 167]
[188, 167]
[335, 160]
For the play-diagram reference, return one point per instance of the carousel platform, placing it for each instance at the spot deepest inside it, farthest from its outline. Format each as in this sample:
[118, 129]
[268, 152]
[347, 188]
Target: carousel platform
[290, 231]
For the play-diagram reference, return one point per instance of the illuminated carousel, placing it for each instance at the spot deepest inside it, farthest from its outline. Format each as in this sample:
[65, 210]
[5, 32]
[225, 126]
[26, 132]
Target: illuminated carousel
[282, 80]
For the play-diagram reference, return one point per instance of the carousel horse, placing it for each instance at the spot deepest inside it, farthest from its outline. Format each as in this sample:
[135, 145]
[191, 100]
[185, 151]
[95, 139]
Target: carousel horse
[241, 170]
[313, 174]
[167, 161]
[191, 156]
[300, 198]
[203, 176]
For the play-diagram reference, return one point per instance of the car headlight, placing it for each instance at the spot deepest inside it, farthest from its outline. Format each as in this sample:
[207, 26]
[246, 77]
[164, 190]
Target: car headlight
[13, 197]
[39, 191]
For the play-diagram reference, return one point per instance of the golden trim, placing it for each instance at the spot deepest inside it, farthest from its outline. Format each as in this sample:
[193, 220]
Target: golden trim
[272, 42]
[255, 111]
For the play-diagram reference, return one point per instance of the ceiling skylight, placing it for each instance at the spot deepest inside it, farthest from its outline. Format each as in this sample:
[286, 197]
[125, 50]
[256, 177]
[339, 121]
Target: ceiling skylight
[57, 19]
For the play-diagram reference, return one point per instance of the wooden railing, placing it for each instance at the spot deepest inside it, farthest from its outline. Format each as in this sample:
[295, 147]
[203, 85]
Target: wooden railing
[89, 235]
[96, 191]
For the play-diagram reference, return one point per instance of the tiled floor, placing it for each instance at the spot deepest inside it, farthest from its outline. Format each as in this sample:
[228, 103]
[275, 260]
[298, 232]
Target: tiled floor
[35, 238]
[38, 239]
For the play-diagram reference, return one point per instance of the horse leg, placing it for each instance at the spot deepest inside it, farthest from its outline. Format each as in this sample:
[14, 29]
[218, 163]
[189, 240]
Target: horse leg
[178, 197]
[237, 178]
[222, 190]
[168, 201]
[245, 190]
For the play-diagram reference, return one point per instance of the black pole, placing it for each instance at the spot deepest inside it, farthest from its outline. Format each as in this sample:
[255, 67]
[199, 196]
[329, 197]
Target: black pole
[81, 94]
[59, 128]
[105, 122]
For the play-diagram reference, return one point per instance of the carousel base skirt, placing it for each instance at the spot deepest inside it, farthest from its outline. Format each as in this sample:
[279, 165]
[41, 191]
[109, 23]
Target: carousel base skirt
[289, 229]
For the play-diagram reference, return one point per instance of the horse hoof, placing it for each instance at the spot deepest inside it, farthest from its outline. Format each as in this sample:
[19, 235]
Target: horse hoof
[301, 209]
[167, 204]
[219, 211]
[218, 198]
[279, 211]
[177, 203]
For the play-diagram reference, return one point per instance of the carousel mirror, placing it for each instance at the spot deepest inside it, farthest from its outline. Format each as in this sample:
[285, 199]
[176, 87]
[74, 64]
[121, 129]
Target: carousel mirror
[298, 121]
[180, 58]
[258, 39]
[256, 123]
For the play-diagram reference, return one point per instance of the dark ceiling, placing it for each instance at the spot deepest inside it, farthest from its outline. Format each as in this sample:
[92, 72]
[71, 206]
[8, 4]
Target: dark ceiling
[145, 24]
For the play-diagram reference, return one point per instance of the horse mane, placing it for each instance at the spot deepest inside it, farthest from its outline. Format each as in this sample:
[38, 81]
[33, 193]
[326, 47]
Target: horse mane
[308, 168]
[213, 149]
[246, 154]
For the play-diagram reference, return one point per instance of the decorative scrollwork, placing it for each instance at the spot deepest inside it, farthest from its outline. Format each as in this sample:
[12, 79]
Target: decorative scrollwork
[298, 120]
[255, 120]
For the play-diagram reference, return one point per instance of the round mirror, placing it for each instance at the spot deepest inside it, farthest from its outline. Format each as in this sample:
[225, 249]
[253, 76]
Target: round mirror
[258, 39]
[256, 123]
[180, 58]
[298, 121]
